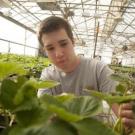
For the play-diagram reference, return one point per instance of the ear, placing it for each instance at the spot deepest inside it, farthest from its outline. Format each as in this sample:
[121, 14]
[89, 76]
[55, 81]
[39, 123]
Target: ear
[73, 42]
[43, 51]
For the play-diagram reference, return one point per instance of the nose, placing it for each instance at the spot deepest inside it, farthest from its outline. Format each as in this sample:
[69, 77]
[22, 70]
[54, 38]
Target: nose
[59, 52]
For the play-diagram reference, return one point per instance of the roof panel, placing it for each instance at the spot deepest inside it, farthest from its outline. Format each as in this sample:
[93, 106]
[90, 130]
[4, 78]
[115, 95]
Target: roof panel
[85, 19]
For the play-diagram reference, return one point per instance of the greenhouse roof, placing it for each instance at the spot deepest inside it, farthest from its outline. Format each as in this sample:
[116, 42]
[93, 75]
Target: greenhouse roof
[100, 23]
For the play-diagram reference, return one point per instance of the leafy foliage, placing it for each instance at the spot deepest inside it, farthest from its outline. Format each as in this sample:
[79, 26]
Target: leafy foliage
[92, 127]
[33, 65]
[26, 114]
[47, 115]
[125, 92]
[122, 69]
[74, 109]
[112, 99]
[8, 69]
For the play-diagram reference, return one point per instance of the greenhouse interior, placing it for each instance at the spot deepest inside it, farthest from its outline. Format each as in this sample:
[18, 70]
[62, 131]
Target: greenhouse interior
[56, 80]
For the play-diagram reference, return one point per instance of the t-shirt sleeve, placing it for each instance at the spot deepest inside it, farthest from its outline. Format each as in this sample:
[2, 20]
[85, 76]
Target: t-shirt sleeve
[106, 84]
[44, 76]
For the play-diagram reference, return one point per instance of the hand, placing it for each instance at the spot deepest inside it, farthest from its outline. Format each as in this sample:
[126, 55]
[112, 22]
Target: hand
[127, 115]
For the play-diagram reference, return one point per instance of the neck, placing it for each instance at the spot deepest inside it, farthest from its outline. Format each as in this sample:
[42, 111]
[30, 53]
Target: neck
[73, 65]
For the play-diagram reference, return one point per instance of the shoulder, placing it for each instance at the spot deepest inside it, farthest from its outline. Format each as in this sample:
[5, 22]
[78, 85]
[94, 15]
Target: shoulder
[96, 66]
[49, 69]
[48, 72]
[103, 69]
[93, 63]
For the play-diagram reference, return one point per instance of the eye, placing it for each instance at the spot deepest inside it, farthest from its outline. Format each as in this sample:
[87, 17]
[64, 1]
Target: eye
[64, 44]
[50, 49]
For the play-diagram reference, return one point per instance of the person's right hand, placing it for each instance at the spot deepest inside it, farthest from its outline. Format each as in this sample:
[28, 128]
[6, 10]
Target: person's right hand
[127, 115]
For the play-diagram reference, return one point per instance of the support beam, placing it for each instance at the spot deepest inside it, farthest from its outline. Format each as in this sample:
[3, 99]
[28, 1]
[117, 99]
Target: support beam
[113, 18]
[16, 22]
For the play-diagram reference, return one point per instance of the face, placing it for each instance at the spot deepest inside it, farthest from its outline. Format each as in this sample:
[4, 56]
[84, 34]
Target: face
[60, 49]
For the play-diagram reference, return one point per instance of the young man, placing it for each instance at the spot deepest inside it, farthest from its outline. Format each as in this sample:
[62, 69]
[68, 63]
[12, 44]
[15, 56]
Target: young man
[73, 72]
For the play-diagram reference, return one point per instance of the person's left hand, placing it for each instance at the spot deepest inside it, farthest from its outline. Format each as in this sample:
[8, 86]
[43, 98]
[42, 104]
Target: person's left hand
[127, 115]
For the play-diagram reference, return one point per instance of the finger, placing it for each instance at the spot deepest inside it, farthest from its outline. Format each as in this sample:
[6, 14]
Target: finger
[128, 122]
[126, 106]
[127, 113]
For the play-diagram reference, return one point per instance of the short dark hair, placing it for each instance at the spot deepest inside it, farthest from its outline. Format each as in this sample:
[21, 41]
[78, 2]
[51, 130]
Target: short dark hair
[51, 24]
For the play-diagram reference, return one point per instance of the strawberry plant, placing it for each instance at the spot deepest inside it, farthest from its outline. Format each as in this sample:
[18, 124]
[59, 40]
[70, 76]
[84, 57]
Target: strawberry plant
[125, 92]
[33, 64]
[26, 114]
[23, 113]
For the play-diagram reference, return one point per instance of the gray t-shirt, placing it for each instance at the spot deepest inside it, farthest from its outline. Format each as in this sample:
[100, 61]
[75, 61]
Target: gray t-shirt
[90, 74]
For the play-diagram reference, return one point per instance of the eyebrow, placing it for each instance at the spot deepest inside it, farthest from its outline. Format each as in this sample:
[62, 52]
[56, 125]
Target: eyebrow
[49, 45]
[64, 40]
[61, 41]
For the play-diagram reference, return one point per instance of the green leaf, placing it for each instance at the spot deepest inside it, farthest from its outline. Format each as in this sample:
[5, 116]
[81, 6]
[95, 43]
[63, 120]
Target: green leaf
[60, 127]
[119, 127]
[123, 69]
[26, 97]
[56, 127]
[26, 91]
[36, 116]
[112, 99]
[46, 84]
[75, 109]
[27, 104]
[7, 93]
[29, 89]
[64, 97]
[21, 93]
[64, 113]
[91, 126]
[119, 77]
[7, 69]
[55, 106]
[121, 88]
[85, 106]
[50, 100]
[17, 96]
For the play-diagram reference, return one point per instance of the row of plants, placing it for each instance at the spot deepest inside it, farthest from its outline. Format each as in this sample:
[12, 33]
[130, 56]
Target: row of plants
[123, 69]
[23, 113]
[33, 64]
[126, 77]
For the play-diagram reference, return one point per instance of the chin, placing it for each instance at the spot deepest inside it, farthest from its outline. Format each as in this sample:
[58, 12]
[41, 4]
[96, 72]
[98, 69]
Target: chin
[62, 67]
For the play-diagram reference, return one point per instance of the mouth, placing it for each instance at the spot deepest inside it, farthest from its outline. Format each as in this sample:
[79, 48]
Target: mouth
[61, 61]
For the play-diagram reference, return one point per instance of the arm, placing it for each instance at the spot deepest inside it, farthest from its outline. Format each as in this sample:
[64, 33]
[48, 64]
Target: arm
[126, 110]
